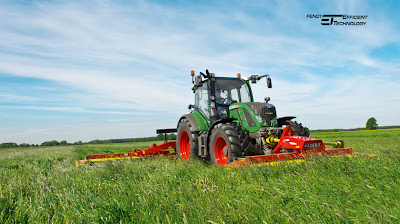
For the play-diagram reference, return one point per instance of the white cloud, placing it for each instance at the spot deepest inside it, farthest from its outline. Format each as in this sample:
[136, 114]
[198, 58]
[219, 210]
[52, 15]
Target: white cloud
[13, 98]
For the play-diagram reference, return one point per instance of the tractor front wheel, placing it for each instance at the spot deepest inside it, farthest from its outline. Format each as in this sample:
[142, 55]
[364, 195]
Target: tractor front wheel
[225, 144]
[186, 141]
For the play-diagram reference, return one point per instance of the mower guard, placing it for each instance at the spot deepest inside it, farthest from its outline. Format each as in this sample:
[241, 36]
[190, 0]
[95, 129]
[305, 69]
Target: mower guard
[303, 146]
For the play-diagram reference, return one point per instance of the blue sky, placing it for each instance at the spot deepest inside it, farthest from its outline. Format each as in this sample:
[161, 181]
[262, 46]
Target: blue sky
[84, 70]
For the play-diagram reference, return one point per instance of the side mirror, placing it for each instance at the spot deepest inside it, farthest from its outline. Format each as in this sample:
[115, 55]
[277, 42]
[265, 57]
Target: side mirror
[197, 81]
[269, 83]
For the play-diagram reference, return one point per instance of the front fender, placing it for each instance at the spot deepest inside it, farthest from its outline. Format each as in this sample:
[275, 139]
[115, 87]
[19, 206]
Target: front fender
[284, 120]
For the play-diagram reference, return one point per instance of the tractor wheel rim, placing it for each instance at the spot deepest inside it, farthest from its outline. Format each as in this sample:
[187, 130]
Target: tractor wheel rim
[219, 146]
[184, 144]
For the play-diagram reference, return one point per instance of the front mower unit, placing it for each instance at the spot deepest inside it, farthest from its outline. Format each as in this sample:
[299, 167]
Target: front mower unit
[302, 146]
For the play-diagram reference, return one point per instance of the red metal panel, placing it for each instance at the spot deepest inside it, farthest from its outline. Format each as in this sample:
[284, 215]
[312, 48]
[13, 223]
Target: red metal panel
[312, 146]
[287, 131]
[301, 144]
[163, 148]
[158, 149]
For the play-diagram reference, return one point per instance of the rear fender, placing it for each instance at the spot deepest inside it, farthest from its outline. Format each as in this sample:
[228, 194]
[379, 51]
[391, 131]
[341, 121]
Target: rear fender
[198, 122]
[192, 121]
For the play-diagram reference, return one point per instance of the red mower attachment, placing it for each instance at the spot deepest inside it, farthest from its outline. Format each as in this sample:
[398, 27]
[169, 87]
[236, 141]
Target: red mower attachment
[298, 147]
[166, 148]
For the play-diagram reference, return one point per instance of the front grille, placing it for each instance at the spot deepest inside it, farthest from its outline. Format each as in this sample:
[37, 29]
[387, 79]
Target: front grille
[264, 109]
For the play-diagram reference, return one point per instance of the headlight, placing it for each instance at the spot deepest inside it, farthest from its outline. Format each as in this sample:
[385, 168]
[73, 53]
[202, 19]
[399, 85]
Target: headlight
[274, 122]
[261, 120]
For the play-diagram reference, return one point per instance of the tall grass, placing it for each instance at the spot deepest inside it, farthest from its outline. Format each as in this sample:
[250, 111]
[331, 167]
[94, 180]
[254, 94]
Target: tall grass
[43, 185]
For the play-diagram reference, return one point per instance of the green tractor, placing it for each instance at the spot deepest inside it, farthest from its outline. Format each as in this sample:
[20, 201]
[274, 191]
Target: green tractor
[225, 124]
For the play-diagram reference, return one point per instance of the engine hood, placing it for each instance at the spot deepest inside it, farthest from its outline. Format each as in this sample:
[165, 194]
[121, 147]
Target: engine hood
[265, 110]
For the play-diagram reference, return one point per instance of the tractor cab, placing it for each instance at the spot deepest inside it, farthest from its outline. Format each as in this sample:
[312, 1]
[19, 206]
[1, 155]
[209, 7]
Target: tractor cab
[215, 95]
[226, 91]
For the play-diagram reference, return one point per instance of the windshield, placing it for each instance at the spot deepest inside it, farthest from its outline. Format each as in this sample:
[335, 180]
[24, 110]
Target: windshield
[232, 89]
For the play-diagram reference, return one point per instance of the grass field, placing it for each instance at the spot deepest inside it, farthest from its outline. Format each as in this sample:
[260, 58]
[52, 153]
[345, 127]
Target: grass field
[43, 185]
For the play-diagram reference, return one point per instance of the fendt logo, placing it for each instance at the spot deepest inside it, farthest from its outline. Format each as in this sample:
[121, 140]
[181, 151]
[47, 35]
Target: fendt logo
[340, 20]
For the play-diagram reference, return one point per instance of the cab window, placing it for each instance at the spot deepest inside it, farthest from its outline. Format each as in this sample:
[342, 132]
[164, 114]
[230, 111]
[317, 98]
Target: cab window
[201, 100]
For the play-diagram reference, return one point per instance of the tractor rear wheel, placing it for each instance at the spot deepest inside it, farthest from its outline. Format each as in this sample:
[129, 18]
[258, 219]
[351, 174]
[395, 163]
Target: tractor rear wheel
[298, 129]
[225, 144]
[186, 141]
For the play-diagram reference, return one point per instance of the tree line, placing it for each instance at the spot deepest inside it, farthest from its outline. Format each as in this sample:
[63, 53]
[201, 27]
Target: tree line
[159, 137]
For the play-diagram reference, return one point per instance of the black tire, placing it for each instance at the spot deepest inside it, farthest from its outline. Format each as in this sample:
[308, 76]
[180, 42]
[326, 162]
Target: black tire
[186, 135]
[298, 129]
[245, 142]
[225, 133]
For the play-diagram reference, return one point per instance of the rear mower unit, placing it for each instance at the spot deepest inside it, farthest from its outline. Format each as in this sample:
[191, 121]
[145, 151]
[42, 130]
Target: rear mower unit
[226, 125]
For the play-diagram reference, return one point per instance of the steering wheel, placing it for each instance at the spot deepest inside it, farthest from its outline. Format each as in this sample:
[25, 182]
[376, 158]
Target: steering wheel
[224, 102]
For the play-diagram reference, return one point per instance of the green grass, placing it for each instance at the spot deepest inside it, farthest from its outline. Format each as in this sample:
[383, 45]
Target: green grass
[43, 185]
